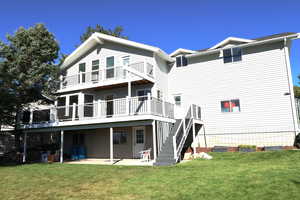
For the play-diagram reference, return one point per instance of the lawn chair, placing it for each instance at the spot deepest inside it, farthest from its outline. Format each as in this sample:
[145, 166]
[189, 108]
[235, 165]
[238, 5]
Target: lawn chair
[145, 155]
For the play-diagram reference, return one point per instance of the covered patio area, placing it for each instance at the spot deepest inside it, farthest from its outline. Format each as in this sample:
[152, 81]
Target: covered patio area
[106, 144]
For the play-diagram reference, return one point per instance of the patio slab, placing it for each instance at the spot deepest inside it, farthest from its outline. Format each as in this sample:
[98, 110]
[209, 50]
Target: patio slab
[125, 162]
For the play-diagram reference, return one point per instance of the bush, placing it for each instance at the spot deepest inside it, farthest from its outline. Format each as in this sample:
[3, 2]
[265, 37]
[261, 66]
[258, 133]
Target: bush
[297, 141]
[247, 146]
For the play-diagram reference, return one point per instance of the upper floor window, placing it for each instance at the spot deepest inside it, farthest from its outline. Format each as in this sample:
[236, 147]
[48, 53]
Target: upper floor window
[232, 55]
[181, 61]
[110, 61]
[159, 94]
[95, 65]
[177, 99]
[230, 106]
[126, 60]
[81, 79]
[95, 70]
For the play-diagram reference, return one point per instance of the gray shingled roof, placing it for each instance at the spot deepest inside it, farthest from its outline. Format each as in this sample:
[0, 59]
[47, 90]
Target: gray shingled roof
[262, 38]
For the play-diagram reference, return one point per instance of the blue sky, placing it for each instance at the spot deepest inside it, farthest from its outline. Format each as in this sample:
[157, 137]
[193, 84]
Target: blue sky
[167, 24]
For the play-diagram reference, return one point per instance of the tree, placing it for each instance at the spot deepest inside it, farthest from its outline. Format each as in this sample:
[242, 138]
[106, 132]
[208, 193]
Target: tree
[117, 32]
[27, 70]
[297, 91]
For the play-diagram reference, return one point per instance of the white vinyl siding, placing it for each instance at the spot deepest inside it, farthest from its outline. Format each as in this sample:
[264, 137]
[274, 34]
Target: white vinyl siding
[259, 82]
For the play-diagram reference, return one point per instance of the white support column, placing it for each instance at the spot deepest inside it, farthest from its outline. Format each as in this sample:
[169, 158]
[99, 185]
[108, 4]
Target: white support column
[24, 147]
[111, 145]
[73, 111]
[61, 146]
[149, 103]
[154, 140]
[194, 137]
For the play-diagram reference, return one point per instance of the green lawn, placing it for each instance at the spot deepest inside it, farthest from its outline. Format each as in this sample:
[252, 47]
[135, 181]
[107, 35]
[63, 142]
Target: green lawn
[261, 175]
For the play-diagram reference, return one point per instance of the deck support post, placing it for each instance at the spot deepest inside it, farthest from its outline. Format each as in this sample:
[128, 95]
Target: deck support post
[111, 145]
[194, 138]
[154, 140]
[61, 146]
[24, 147]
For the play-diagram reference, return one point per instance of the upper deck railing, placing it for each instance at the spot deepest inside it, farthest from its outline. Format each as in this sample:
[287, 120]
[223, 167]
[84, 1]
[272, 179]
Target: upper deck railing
[105, 75]
[141, 105]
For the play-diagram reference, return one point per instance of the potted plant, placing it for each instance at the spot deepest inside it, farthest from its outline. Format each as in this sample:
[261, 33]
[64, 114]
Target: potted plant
[247, 148]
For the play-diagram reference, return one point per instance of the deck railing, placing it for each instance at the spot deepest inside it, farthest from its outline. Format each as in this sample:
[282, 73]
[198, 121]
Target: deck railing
[140, 105]
[194, 112]
[104, 75]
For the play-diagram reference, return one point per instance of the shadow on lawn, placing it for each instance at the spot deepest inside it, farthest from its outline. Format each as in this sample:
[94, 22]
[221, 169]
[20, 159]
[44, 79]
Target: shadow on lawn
[296, 182]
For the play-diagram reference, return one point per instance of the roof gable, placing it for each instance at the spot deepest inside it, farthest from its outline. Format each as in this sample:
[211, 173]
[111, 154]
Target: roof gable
[100, 38]
[230, 40]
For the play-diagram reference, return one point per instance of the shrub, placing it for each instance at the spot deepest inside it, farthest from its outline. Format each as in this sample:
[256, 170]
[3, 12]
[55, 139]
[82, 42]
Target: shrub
[247, 146]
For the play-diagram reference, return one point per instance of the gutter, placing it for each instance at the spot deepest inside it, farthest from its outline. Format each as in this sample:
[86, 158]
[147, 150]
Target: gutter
[295, 36]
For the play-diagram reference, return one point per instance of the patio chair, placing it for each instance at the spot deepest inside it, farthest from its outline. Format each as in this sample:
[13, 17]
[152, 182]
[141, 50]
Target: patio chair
[145, 155]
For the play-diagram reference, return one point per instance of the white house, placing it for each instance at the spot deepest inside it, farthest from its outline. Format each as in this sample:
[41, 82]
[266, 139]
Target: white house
[118, 97]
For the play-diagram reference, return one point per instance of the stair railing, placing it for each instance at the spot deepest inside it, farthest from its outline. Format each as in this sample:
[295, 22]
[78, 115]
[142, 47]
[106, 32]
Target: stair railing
[194, 112]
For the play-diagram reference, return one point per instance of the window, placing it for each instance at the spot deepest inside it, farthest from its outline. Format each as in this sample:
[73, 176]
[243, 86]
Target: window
[231, 106]
[110, 63]
[82, 70]
[177, 100]
[232, 55]
[159, 94]
[95, 70]
[181, 61]
[126, 60]
[143, 94]
[120, 138]
[139, 136]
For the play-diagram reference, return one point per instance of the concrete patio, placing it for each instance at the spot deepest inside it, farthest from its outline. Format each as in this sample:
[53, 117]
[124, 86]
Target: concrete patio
[125, 162]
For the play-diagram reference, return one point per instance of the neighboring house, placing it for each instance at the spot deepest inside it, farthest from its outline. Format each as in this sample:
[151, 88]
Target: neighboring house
[118, 97]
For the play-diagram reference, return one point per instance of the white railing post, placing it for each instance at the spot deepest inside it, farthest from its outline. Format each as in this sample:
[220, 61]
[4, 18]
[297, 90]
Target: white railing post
[149, 103]
[74, 111]
[31, 116]
[128, 99]
[99, 108]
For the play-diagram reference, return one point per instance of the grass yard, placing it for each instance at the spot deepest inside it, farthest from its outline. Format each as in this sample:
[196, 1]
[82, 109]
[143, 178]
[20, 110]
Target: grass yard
[260, 175]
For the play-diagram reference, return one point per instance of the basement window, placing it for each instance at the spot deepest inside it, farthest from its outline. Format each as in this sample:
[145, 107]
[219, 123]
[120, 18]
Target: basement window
[181, 61]
[120, 138]
[232, 55]
[231, 106]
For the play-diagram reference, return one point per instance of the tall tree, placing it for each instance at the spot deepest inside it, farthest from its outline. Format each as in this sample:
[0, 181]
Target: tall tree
[27, 70]
[117, 32]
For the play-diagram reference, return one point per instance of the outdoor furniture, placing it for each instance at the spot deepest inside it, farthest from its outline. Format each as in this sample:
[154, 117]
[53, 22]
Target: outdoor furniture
[145, 155]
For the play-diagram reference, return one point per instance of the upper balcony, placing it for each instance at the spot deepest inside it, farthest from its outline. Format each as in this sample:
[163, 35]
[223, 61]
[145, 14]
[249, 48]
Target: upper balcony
[108, 77]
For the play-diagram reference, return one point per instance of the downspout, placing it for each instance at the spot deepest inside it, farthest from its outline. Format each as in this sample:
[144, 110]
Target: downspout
[291, 91]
